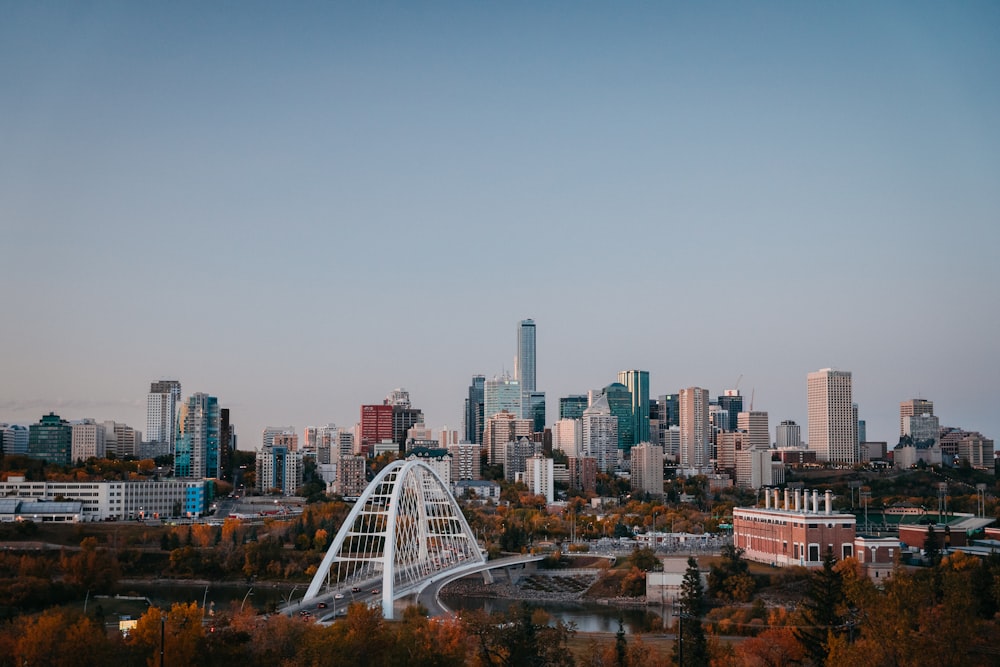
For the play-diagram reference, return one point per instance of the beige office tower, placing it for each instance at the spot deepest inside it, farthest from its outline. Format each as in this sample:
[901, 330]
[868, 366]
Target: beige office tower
[913, 408]
[696, 434]
[832, 428]
[755, 424]
[647, 469]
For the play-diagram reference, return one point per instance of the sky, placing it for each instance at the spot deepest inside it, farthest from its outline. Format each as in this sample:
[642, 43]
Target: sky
[298, 207]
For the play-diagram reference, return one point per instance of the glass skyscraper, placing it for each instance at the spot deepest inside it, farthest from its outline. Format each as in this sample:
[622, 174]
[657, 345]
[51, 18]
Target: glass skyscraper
[637, 382]
[474, 405]
[198, 432]
[572, 407]
[524, 370]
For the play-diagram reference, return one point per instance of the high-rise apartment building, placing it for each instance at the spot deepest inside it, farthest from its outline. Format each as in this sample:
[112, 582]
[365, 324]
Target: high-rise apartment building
[502, 428]
[516, 454]
[567, 435]
[572, 407]
[268, 434]
[196, 451]
[404, 415]
[279, 469]
[582, 473]
[474, 420]
[832, 425]
[696, 432]
[600, 434]
[912, 407]
[161, 413]
[524, 367]
[756, 426]
[539, 477]
[637, 383]
[647, 469]
[466, 461]
[88, 441]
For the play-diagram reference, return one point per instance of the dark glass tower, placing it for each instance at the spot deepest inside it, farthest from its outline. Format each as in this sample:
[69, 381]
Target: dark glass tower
[474, 404]
[572, 407]
[524, 372]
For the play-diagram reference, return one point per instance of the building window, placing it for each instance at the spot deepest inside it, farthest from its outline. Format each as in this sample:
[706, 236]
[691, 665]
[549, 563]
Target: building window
[813, 552]
[848, 550]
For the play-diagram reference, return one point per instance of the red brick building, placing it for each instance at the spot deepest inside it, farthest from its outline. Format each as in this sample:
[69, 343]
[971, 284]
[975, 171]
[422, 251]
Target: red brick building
[792, 529]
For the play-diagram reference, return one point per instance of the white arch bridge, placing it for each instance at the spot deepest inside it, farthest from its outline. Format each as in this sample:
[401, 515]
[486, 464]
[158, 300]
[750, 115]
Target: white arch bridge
[404, 532]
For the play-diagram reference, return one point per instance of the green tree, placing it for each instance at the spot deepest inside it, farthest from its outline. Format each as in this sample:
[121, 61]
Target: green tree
[691, 647]
[730, 580]
[822, 610]
[932, 550]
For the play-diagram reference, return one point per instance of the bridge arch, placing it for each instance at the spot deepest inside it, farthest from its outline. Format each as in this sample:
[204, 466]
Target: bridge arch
[405, 529]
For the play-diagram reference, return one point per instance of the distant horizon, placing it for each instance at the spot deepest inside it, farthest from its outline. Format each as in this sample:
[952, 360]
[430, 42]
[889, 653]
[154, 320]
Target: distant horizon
[297, 209]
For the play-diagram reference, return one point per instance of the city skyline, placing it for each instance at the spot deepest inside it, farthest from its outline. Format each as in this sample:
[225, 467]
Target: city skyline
[235, 198]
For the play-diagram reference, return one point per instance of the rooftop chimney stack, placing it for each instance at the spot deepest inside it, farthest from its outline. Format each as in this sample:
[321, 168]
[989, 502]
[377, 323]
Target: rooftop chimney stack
[829, 501]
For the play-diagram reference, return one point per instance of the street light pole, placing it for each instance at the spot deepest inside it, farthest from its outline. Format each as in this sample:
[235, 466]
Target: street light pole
[163, 632]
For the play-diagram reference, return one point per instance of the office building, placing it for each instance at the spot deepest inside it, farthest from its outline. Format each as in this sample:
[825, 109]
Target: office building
[269, 433]
[404, 415]
[474, 419]
[533, 408]
[795, 531]
[755, 469]
[728, 445]
[572, 407]
[502, 393]
[161, 413]
[787, 434]
[755, 424]
[51, 440]
[15, 438]
[912, 407]
[376, 426]
[524, 366]
[196, 451]
[88, 440]
[118, 500]
[600, 434]
[732, 403]
[695, 431]
[647, 469]
[670, 412]
[637, 383]
[832, 420]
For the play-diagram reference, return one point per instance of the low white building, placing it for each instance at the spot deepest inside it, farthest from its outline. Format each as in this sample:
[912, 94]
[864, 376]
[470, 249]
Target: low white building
[539, 477]
[102, 501]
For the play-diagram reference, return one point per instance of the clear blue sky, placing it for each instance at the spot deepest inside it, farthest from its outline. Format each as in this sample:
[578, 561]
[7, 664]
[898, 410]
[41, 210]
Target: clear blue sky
[297, 207]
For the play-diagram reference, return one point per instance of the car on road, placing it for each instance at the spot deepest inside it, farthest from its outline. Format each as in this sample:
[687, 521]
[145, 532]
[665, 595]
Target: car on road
[338, 596]
[375, 591]
[321, 605]
[356, 589]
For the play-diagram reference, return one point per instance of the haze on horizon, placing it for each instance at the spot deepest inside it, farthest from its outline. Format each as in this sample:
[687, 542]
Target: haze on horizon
[299, 208]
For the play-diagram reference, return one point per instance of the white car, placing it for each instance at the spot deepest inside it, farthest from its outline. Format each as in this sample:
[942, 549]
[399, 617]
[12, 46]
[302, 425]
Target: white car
[338, 596]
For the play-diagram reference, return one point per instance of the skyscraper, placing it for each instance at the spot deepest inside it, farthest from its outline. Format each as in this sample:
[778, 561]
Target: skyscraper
[196, 452]
[161, 413]
[637, 382]
[787, 434]
[912, 407]
[600, 434]
[647, 469]
[732, 403]
[572, 407]
[831, 416]
[756, 426]
[475, 421]
[696, 434]
[619, 400]
[502, 393]
[524, 367]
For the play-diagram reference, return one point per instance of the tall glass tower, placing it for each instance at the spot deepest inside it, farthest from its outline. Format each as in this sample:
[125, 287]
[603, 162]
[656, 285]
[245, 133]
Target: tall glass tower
[637, 383]
[524, 369]
[474, 406]
[197, 443]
